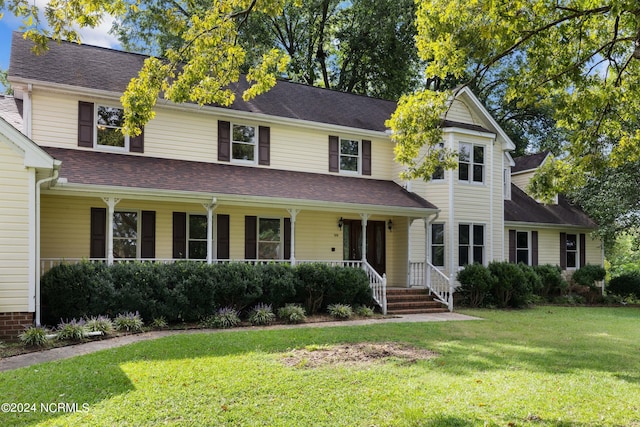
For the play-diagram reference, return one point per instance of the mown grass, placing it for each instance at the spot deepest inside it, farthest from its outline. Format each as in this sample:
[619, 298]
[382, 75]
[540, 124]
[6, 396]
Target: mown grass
[548, 366]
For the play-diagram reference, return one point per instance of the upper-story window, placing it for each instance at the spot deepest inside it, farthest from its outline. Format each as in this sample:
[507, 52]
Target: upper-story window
[243, 143]
[349, 155]
[109, 122]
[438, 174]
[471, 163]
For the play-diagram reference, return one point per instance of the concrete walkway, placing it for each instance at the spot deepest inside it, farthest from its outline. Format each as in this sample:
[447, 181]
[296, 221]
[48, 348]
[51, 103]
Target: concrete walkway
[59, 353]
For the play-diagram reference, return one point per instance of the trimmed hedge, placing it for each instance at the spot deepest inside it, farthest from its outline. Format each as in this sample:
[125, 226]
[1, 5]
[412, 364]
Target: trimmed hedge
[625, 285]
[191, 291]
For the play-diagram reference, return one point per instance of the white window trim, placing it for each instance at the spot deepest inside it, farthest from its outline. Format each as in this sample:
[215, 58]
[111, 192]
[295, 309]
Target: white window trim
[359, 156]
[529, 250]
[189, 239]
[471, 242]
[471, 163]
[577, 252]
[444, 245]
[506, 178]
[138, 213]
[95, 131]
[255, 144]
[280, 243]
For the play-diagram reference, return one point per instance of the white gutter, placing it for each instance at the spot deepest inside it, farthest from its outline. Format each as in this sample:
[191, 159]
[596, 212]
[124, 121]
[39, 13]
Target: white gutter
[37, 248]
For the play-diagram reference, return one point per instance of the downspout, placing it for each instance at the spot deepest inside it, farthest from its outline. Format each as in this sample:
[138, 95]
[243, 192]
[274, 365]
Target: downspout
[56, 172]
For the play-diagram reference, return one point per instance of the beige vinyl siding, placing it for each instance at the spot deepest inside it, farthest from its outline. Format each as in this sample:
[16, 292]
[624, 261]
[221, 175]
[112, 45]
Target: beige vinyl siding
[193, 136]
[14, 231]
[522, 179]
[397, 252]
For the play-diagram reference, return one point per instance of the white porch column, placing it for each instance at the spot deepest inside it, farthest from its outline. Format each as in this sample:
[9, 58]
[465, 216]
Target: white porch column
[210, 207]
[111, 204]
[427, 255]
[292, 250]
[365, 218]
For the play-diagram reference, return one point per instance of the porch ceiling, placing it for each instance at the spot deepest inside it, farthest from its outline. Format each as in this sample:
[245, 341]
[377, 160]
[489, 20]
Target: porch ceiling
[130, 172]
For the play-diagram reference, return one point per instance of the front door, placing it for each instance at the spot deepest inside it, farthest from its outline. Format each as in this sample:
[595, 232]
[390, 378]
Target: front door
[352, 243]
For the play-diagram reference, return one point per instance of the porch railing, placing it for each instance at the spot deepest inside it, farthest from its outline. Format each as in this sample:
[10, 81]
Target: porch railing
[378, 283]
[436, 281]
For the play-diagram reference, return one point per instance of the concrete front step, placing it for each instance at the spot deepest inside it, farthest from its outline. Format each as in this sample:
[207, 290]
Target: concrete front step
[412, 301]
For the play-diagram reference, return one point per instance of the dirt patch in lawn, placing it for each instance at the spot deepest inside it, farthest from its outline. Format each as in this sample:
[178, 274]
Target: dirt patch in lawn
[355, 354]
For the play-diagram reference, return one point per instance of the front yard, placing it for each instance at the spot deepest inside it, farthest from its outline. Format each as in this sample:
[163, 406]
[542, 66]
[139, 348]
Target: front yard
[548, 366]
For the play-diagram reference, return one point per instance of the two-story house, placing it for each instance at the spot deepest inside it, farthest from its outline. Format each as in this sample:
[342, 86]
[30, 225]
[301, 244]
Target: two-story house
[298, 174]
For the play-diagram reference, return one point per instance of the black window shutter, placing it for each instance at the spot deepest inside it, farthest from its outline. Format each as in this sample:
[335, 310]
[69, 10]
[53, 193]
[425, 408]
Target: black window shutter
[287, 238]
[85, 124]
[98, 248]
[250, 237]
[512, 246]
[583, 250]
[179, 235]
[222, 245]
[563, 251]
[224, 141]
[136, 143]
[334, 154]
[366, 157]
[534, 248]
[264, 145]
[148, 241]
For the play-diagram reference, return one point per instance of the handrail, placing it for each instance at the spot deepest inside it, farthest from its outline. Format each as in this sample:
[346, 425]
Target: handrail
[378, 286]
[434, 279]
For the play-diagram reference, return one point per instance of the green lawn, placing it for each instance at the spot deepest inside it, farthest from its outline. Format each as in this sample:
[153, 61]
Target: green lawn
[548, 366]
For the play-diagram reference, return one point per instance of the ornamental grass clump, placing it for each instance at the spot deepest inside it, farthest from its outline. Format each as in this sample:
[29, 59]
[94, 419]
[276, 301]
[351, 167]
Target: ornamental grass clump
[364, 311]
[340, 311]
[159, 323]
[100, 324]
[74, 330]
[262, 314]
[128, 322]
[226, 317]
[292, 313]
[34, 336]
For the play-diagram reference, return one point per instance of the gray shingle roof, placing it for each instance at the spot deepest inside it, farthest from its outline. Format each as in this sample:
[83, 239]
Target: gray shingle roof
[127, 171]
[522, 208]
[531, 161]
[11, 111]
[107, 69]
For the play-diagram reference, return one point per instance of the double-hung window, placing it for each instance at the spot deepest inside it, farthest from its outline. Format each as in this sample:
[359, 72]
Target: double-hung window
[126, 233]
[437, 245]
[471, 162]
[109, 121]
[349, 155]
[470, 244]
[438, 174]
[522, 247]
[572, 250]
[269, 238]
[197, 237]
[243, 143]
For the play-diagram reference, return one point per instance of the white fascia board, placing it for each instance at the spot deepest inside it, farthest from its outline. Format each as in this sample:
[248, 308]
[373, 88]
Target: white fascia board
[33, 155]
[545, 225]
[217, 111]
[509, 159]
[478, 105]
[87, 190]
[469, 132]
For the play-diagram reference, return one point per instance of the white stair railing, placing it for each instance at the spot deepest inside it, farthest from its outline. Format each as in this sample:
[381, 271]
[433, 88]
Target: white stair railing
[435, 280]
[378, 285]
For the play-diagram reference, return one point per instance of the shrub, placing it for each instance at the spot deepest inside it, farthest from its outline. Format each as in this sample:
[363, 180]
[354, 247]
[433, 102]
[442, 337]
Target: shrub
[552, 282]
[226, 317]
[34, 336]
[262, 314]
[340, 311]
[128, 322]
[75, 330]
[476, 283]
[278, 283]
[159, 323]
[314, 281]
[350, 286]
[237, 285]
[625, 285]
[364, 311]
[292, 313]
[524, 292]
[511, 287]
[100, 324]
[589, 275]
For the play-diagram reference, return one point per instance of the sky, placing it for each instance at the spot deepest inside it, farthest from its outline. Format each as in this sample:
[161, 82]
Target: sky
[98, 37]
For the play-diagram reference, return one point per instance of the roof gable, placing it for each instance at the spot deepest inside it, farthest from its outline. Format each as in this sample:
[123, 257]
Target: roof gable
[529, 162]
[33, 155]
